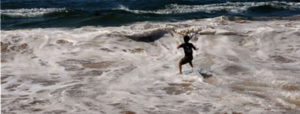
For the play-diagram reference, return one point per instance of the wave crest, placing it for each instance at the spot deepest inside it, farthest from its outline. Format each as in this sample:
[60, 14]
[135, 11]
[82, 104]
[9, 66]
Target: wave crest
[231, 7]
[34, 12]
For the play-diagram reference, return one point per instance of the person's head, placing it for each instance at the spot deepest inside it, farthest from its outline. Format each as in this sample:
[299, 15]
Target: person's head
[186, 38]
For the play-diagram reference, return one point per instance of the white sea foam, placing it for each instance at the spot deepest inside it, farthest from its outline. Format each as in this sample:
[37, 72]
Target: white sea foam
[255, 67]
[33, 12]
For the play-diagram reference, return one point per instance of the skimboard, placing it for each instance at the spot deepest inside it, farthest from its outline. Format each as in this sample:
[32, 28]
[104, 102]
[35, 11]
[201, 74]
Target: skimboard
[203, 74]
[199, 70]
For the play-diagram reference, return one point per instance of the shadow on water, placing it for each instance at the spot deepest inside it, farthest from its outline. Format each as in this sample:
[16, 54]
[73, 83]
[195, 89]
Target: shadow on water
[206, 75]
[150, 37]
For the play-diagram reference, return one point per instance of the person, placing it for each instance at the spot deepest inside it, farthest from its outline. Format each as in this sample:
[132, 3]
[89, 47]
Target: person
[188, 51]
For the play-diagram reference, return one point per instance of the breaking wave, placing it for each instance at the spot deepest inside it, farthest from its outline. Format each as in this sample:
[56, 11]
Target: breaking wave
[231, 7]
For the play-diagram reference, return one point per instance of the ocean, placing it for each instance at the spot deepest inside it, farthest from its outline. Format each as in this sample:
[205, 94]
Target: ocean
[17, 14]
[121, 57]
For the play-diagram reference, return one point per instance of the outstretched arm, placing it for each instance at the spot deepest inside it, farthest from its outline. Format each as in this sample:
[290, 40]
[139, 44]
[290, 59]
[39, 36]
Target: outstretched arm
[194, 47]
[179, 46]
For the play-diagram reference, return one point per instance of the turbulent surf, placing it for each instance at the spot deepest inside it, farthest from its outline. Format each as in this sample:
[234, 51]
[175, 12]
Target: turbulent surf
[133, 69]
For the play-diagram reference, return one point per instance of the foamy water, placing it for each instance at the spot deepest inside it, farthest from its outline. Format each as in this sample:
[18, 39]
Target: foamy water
[133, 69]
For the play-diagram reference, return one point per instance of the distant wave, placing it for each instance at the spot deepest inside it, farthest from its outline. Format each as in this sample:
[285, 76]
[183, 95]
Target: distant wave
[34, 12]
[119, 14]
[231, 7]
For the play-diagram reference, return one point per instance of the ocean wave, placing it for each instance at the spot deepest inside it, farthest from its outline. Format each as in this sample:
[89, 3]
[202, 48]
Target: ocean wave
[124, 14]
[231, 7]
[33, 12]
[228, 7]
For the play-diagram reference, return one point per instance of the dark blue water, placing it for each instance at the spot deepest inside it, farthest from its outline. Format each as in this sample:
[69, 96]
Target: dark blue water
[17, 14]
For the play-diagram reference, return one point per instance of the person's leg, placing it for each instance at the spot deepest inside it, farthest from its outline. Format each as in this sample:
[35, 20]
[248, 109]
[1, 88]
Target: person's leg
[191, 63]
[180, 68]
[181, 62]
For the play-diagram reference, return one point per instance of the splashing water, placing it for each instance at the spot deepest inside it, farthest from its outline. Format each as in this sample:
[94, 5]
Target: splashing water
[133, 69]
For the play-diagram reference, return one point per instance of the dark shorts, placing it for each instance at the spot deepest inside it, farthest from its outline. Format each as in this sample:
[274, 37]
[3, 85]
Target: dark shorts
[186, 59]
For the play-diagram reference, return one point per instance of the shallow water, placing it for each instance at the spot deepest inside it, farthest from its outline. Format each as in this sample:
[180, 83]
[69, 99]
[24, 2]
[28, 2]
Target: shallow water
[133, 69]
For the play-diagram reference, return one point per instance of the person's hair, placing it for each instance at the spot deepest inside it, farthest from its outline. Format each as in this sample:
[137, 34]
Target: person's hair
[186, 38]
